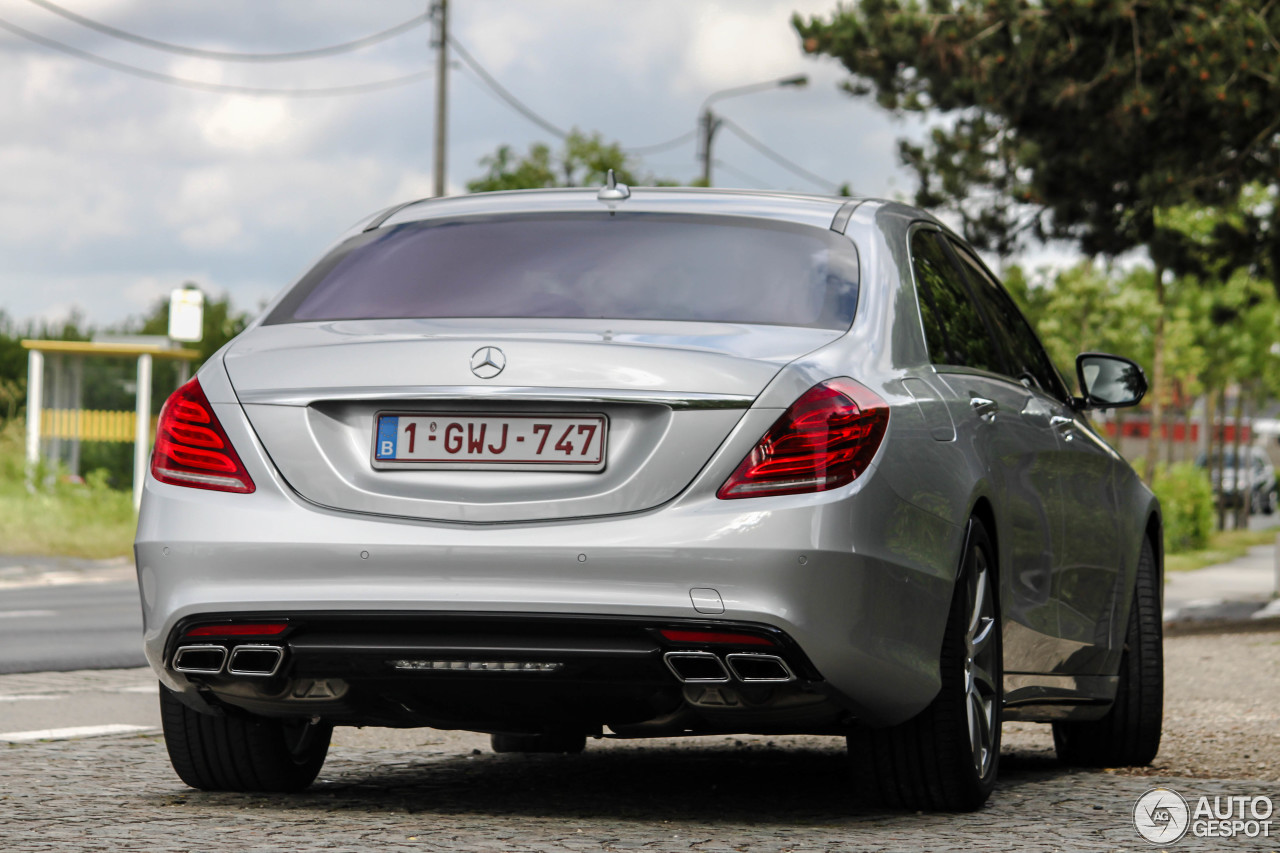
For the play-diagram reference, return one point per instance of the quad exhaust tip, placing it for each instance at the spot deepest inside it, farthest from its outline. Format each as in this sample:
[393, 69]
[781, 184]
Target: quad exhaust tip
[696, 667]
[751, 668]
[746, 667]
[251, 659]
[200, 660]
[256, 660]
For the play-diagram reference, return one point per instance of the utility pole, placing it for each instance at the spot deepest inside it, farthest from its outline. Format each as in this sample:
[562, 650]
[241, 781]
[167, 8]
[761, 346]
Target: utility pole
[708, 124]
[440, 8]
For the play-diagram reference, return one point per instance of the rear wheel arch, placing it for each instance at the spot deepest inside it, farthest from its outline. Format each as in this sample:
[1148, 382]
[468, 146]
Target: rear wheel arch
[946, 757]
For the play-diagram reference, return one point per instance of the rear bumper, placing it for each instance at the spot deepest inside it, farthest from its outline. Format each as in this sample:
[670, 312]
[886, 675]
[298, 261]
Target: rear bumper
[503, 673]
[856, 580]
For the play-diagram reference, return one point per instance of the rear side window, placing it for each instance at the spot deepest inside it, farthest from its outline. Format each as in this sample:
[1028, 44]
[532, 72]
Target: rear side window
[953, 328]
[587, 266]
[1026, 356]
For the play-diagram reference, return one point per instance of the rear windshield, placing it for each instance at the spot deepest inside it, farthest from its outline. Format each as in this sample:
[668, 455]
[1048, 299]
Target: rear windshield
[625, 266]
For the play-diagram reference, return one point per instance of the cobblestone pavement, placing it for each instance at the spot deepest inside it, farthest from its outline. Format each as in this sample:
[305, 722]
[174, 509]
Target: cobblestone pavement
[424, 790]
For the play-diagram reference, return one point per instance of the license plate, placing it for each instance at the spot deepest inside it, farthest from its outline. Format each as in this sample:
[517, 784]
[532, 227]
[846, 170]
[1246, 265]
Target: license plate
[445, 440]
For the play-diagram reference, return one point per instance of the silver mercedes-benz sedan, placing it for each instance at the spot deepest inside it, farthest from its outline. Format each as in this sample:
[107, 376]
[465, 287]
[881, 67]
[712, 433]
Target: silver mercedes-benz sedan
[627, 463]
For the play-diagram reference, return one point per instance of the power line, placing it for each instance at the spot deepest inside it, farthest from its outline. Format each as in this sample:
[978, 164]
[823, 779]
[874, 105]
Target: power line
[662, 146]
[201, 86]
[746, 176]
[790, 165]
[499, 90]
[232, 56]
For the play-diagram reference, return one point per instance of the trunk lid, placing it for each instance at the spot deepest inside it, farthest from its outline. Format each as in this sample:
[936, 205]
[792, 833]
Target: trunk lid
[670, 393]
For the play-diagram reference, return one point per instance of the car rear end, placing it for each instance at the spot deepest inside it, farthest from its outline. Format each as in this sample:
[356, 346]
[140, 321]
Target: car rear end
[521, 463]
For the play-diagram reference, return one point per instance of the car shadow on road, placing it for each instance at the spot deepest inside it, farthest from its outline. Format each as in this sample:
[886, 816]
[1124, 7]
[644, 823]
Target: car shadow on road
[751, 783]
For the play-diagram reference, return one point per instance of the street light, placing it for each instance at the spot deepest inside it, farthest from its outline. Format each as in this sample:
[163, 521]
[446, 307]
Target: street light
[708, 124]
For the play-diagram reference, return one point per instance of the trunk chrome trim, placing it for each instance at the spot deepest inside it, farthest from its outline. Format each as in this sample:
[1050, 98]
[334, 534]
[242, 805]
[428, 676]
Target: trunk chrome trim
[673, 400]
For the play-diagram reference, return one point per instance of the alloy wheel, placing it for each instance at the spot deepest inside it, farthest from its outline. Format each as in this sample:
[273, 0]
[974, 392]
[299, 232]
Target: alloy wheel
[981, 693]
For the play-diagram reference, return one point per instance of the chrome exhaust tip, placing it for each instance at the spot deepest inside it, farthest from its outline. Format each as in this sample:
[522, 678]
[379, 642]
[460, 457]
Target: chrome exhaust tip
[753, 668]
[199, 660]
[696, 667]
[262, 661]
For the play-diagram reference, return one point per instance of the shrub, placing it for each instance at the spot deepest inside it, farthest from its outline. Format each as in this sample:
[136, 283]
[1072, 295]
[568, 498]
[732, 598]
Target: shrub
[1186, 499]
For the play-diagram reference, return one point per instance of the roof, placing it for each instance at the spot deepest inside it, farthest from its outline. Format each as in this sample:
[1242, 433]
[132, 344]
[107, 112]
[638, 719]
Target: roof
[795, 207]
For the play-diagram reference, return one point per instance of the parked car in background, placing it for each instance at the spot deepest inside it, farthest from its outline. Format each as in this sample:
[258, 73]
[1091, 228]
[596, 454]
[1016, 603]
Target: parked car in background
[1250, 476]
[657, 462]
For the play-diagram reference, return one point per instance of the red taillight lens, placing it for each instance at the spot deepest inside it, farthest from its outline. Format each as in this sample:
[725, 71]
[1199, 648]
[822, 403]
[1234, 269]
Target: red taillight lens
[677, 636]
[824, 441]
[191, 447]
[250, 630]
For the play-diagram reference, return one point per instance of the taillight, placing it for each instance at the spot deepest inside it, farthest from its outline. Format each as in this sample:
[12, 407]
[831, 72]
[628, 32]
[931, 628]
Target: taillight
[825, 440]
[191, 447]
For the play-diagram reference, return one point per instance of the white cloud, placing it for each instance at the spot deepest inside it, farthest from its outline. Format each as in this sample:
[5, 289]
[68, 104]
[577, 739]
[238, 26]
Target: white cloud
[117, 189]
[246, 123]
[735, 44]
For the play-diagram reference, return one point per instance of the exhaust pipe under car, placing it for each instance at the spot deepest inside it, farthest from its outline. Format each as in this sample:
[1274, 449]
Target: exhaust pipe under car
[752, 668]
[696, 667]
[200, 660]
[255, 660]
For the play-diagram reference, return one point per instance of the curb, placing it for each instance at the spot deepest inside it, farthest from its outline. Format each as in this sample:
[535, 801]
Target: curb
[1187, 627]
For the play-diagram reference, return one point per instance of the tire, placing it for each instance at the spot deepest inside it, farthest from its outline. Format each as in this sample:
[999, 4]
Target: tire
[1129, 734]
[561, 742]
[947, 757]
[241, 752]
[1269, 503]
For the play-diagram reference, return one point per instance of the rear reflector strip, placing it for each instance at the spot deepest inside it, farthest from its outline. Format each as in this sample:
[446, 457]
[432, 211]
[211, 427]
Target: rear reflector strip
[720, 637]
[264, 629]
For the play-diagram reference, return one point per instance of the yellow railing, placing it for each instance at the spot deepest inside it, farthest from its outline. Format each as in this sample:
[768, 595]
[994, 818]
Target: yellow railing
[89, 425]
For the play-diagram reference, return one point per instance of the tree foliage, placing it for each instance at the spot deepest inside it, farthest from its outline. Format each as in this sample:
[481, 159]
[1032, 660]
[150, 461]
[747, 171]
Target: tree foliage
[582, 161]
[1080, 120]
[1074, 119]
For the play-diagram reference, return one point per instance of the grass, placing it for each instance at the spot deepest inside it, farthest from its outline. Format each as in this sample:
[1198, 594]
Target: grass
[59, 518]
[1223, 546]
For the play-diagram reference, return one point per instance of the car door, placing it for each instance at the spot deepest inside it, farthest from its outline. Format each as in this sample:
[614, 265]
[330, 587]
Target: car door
[1086, 559]
[1004, 424]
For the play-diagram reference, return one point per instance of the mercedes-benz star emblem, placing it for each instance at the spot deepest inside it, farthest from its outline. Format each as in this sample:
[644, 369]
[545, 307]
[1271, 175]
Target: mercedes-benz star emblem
[487, 362]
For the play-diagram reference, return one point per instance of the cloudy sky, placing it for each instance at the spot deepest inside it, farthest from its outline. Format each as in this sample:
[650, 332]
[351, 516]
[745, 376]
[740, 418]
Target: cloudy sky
[117, 189]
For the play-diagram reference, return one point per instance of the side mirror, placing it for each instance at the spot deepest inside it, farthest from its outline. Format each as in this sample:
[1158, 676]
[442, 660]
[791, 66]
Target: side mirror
[1109, 381]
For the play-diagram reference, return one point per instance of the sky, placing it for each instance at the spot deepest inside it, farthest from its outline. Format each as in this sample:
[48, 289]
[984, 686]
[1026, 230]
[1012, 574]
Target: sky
[117, 189]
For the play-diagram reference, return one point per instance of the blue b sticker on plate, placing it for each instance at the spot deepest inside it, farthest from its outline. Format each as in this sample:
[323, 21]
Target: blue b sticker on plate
[388, 429]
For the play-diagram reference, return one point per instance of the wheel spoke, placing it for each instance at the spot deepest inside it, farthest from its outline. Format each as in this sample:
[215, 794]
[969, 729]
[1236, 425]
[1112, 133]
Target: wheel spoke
[975, 739]
[979, 641]
[981, 681]
[979, 596]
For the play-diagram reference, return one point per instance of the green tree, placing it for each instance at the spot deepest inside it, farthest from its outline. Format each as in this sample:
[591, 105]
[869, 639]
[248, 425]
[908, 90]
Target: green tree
[13, 368]
[1073, 119]
[13, 357]
[582, 161]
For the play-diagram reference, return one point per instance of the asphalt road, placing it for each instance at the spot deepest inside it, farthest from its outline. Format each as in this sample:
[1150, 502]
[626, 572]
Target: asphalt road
[70, 627]
[106, 785]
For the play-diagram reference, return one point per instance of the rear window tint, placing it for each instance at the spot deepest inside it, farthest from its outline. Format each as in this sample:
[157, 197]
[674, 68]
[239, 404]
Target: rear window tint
[624, 266]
